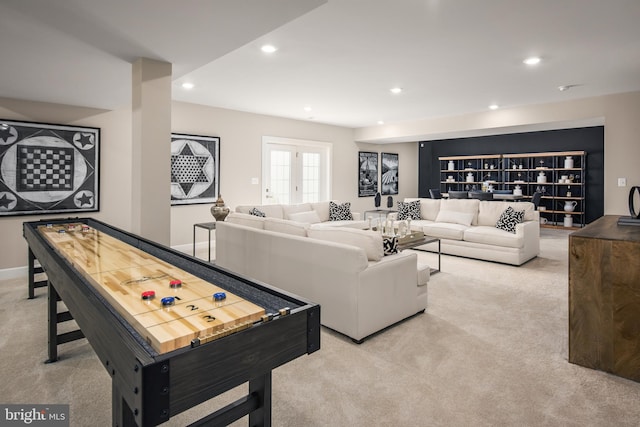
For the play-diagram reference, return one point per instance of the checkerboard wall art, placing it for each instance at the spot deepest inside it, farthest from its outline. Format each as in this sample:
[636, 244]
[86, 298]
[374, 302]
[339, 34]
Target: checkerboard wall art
[195, 169]
[48, 168]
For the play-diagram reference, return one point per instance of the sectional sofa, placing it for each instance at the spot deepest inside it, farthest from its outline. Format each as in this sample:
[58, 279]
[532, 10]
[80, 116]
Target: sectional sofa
[468, 227]
[360, 290]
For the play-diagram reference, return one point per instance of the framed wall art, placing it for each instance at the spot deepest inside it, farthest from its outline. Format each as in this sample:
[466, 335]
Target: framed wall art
[195, 169]
[389, 173]
[48, 168]
[367, 173]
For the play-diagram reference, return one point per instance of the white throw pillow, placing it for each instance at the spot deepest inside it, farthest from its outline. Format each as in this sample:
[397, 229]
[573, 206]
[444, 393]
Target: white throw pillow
[310, 217]
[369, 241]
[289, 210]
[453, 217]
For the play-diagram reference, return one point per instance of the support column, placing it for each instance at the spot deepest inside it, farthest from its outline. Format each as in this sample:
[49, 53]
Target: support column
[151, 156]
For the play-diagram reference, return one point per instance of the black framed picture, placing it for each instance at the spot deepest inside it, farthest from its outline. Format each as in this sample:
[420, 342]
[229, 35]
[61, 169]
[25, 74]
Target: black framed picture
[48, 168]
[389, 178]
[367, 173]
[195, 169]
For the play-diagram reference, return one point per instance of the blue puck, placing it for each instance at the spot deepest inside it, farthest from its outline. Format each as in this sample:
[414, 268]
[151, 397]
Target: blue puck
[167, 300]
[219, 296]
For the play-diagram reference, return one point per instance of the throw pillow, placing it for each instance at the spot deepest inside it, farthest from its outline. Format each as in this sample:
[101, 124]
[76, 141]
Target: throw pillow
[390, 245]
[409, 210]
[455, 217]
[257, 212]
[310, 217]
[509, 219]
[340, 212]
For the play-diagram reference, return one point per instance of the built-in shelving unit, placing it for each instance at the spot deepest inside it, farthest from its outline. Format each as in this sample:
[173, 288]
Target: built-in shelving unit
[559, 176]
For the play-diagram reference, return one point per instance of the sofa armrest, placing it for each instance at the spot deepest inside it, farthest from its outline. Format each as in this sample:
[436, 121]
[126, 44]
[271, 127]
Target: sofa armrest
[530, 231]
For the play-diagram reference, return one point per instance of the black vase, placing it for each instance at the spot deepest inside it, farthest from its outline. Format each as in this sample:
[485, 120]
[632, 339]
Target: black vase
[389, 202]
[377, 200]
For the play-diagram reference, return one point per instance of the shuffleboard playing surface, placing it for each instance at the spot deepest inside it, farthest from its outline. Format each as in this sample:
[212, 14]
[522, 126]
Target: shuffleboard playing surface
[121, 273]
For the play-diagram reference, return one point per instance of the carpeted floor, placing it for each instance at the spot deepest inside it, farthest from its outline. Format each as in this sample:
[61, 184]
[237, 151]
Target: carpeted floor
[491, 350]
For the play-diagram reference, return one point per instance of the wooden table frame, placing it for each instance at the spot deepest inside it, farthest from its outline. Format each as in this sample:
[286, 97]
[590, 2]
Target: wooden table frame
[148, 388]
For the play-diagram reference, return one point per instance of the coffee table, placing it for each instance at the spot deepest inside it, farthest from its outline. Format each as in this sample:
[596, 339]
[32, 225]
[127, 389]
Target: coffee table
[416, 244]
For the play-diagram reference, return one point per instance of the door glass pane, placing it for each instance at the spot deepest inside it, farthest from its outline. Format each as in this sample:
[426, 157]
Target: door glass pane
[310, 177]
[280, 176]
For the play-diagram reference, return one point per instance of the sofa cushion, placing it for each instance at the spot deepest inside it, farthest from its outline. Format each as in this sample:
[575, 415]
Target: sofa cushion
[286, 226]
[257, 212]
[493, 236]
[287, 210]
[246, 220]
[272, 211]
[340, 212]
[445, 230]
[409, 210]
[462, 205]
[322, 209]
[489, 212]
[455, 217]
[509, 219]
[369, 241]
[429, 208]
[310, 217]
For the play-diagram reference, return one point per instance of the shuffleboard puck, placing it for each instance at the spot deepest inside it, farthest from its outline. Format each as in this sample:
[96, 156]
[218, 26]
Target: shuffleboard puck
[168, 300]
[175, 284]
[148, 294]
[219, 296]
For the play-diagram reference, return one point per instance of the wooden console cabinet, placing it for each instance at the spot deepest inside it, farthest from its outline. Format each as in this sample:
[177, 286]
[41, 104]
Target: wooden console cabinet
[604, 297]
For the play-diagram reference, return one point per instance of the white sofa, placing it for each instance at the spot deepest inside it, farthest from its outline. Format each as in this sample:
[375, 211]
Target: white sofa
[359, 290]
[467, 227]
[316, 214]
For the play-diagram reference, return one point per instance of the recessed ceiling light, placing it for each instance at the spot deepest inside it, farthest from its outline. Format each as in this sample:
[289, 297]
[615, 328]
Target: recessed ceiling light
[567, 87]
[307, 108]
[533, 60]
[267, 48]
[396, 90]
[380, 122]
[493, 106]
[187, 85]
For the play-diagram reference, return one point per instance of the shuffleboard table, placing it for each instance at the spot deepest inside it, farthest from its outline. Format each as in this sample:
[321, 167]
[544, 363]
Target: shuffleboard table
[171, 330]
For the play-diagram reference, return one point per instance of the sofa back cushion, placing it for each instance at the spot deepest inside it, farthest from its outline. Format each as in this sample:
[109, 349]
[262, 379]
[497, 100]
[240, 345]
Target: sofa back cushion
[489, 212]
[310, 217]
[246, 220]
[322, 209]
[285, 226]
[287, 210]
[463, 206]
[429, 208]
[369, 241]
[271, 211]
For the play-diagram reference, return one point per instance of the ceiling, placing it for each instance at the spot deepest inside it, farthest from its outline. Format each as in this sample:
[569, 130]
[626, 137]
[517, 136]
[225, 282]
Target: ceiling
[340, 58]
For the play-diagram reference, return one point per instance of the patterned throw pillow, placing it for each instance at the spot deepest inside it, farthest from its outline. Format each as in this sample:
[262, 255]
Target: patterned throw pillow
[256, 212]
[390, 245]
[340, 212]
[509, 219]
[409, 210]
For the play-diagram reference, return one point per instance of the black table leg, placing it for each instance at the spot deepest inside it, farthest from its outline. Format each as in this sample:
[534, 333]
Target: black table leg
[261, 386]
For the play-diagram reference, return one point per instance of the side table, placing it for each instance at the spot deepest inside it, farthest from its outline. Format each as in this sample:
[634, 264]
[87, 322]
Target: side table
[377, 213]
[426, 240]
[207, 226]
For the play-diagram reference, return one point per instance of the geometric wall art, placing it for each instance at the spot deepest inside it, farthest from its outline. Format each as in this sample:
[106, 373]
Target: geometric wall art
[195, 169]
[48, 168]
[389, 173]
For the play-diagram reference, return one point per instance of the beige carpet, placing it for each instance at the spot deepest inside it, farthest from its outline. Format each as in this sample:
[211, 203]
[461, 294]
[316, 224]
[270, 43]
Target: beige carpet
[491, 350]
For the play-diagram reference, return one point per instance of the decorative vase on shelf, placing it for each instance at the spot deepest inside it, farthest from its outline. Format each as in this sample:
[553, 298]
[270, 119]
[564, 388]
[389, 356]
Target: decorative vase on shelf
[568, 220]
[568, 162]
[517, 191]
[451, 166]
[377, 200]
[219, 210]
[542, 177]
[470, 177]
[570, 205]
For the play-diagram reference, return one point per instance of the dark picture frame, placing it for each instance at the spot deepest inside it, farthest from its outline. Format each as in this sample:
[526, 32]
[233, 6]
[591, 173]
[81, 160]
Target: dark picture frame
[195, 169]
[48, 168]
[389, 176]
[367, 173]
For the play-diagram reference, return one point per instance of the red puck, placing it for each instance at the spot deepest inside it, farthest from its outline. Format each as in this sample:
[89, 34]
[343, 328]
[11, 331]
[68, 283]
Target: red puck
[175, 284]
[148, 294]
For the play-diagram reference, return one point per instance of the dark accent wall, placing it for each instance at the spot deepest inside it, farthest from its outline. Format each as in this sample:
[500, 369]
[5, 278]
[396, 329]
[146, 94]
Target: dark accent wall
[589, 139]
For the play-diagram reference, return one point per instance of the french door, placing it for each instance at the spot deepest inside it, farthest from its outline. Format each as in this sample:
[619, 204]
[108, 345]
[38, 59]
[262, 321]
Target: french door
[295, 171]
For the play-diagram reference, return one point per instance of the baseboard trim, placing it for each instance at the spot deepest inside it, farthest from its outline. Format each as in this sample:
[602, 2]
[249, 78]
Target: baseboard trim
[14, 273]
